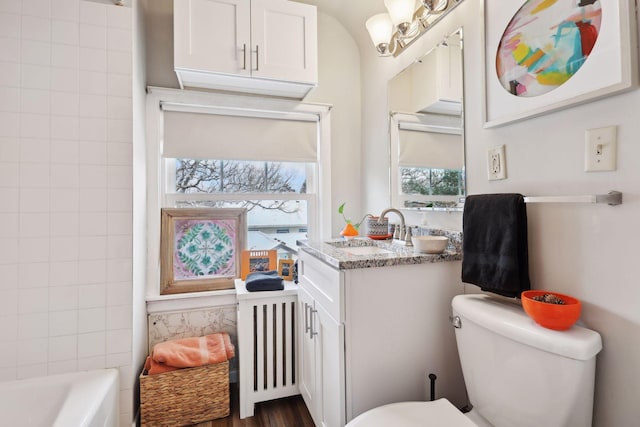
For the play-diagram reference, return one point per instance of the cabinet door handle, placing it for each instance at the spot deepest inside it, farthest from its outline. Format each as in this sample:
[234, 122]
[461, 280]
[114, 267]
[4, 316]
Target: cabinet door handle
[312, 333]
[257, 58]
[244, 56]
[307, 328]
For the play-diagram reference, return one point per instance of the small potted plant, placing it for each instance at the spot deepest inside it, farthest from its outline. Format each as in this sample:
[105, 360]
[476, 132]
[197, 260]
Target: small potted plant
[350, 229]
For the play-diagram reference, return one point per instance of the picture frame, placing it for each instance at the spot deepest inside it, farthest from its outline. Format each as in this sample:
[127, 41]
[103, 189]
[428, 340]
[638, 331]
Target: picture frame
[610, 68]
[285, 269]
[258, 260]
[200, 248]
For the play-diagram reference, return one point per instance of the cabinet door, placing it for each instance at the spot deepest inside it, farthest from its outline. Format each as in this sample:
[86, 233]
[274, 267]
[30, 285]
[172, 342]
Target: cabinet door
[329, 335]
[212, 35]
[307, 352]
[284, 41]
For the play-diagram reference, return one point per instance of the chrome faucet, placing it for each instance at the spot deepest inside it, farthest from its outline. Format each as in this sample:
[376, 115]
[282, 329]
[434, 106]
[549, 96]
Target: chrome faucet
[400, 234]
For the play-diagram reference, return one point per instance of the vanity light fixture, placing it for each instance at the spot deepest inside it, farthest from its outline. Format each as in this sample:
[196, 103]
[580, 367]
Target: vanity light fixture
[404, 22]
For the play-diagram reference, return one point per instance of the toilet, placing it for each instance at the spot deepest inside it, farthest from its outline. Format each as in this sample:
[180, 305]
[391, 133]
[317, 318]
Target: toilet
[517, 373]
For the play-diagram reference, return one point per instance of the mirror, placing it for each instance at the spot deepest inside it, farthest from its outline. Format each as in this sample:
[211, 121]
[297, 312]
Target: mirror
[427, 130]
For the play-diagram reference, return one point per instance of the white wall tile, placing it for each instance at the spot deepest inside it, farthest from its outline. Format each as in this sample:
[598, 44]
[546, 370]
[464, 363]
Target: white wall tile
[9, 99]
[9, 275]
[35, 325]
[63, 249]
[119, 341]
[119, 294]
[93, 199]
[64, 176]
[93, 224]
[32, 250]
[10, 74]
[90, 363]
[119, 39]
[62, 367]
[9, 355]
[64, 199]
[64, 127]
[34, 126]
[9, 302]
[119, 176]
[120, 154]
[92, 59]
[9, 124]
[31, 371]
[32, 351]
[10, 25]
[10, 49]
[119, 223]
[93, 176]
[93, 106]
[11, 198]
[91, 320]
[93, 153]
[9, 327]
[119, 17]
[9, 225]
[63, 323]
[65, 56]
[119, 85]
[93, 13]
[93, 129]
[64, 224]
[65, 79]
[93, 36]
[119, 130]
[119, 107]
[63, 348]
[33, 300]
[10, 174]
[36, 28]
[8, 254]
[36, 53]
[119, 247]
[35, 150]
[119, 62]
[91, 345]
[93, 247]
[11, 6]
[35, 76]
[40, 8]
[93, 82]
[120, 200]
[63, 274]
[118, 317]
[65, 103]
[34, 200]
[9, 148]
[67, 10]
[34, 101]
[34, 175]
[34, 224]
[92, 296]
[63, 298]
[34, 275]
[65, 32]
[92, 272]
[64, 151]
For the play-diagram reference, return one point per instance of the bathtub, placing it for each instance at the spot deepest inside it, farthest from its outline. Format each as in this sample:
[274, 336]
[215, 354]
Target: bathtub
[81, 399]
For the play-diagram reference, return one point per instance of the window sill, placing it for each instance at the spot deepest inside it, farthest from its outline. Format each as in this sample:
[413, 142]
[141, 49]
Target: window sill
[190, 301]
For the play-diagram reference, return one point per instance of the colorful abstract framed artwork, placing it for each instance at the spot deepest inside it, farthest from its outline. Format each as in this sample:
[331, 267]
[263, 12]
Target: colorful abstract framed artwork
[201, 248]
[545, 55]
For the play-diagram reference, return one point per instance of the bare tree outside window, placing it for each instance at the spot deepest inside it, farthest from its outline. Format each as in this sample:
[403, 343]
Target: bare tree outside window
[428, 181]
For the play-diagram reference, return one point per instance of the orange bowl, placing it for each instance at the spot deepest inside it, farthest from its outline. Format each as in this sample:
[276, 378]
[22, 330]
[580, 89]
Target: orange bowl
[552, 316]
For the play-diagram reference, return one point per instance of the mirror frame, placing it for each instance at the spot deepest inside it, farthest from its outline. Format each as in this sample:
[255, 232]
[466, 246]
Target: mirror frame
[447, 203]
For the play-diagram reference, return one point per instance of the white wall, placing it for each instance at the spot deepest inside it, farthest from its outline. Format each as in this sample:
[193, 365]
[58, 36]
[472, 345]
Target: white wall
[587, 251]
[65, 190]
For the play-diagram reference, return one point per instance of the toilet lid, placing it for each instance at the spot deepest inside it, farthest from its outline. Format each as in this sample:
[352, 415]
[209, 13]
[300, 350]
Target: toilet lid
[407, 414]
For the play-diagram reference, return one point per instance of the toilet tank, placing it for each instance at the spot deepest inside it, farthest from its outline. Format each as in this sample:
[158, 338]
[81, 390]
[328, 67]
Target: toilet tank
[518, 373]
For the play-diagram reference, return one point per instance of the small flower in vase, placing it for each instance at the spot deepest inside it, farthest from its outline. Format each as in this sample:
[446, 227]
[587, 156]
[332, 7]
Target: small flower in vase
[350, 229]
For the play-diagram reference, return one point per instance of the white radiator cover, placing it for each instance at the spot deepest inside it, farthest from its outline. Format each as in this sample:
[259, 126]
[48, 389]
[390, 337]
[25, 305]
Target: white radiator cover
[267, 345]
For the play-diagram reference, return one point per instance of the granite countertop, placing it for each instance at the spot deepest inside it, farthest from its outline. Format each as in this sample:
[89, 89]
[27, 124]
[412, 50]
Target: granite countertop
[335, 254]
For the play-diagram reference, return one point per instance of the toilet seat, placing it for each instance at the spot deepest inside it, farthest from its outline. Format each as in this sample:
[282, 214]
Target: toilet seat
[439, 412]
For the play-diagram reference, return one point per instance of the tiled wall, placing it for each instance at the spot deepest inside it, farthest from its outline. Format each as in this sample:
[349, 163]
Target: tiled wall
[65, 189]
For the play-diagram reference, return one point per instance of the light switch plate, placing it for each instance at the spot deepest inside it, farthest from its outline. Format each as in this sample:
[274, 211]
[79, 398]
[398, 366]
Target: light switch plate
[600, 147]
[496, 163]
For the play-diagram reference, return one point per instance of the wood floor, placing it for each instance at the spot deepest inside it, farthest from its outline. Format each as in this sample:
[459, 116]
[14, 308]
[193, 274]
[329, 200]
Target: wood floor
[286, 412]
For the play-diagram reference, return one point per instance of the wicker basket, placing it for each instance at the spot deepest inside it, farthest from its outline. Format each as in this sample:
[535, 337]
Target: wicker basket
[186, 396]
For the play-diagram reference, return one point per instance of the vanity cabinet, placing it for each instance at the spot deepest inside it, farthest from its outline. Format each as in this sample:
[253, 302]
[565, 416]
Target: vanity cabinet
[371, 336]
[257, 46]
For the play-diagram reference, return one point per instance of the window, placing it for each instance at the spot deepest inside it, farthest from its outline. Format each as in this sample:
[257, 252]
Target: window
[267, 156]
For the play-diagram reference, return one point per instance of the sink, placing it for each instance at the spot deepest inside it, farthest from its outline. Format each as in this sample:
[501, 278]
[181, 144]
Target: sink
[365, 250]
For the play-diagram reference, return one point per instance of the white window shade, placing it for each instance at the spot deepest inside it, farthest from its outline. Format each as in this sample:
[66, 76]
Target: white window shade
[430, 149]
[228, 137]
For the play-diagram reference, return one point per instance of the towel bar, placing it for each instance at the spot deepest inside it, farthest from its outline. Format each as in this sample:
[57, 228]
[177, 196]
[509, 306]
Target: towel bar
[613, 198]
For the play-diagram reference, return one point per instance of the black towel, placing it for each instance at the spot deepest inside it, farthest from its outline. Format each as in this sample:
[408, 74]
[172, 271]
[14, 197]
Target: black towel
[264, 281]
[494, 243]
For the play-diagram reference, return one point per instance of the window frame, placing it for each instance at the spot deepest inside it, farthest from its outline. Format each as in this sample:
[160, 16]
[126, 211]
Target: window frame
[319, 214]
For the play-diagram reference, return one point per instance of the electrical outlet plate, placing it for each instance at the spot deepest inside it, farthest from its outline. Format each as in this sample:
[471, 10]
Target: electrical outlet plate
[496, 163]
[600, 146]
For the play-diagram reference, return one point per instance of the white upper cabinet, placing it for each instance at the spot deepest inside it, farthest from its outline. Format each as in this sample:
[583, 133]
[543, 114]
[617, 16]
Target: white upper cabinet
[257, 46]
